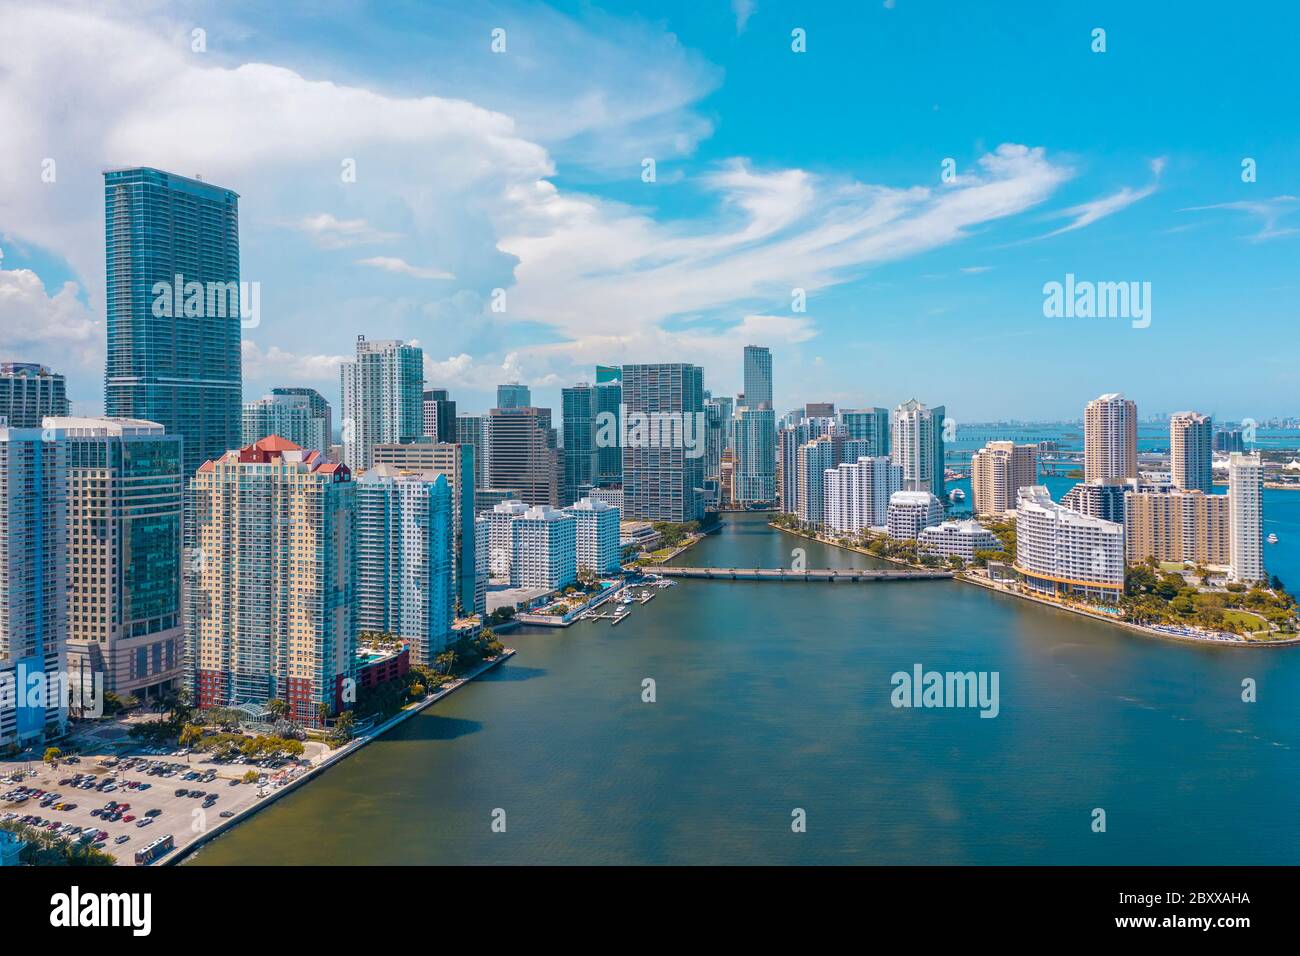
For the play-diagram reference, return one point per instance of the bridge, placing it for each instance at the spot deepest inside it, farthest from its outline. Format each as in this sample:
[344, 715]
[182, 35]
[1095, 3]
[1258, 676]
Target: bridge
[833, 575]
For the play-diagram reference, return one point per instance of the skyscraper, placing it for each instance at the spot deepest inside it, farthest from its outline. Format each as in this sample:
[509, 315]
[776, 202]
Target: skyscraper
[404, 558]
[33, 581]
[174, 302]
[857, 493]
[125, 492]
[383, 396]
[469, 431]
[755, 481]
[1191, 451]
[299, 414]
[578, 411]
[439, 415]
[522, 454]
[607, 397]
[1110, 438]
[664, 480]
[273, 601]
[29, 392]
[998, 471]
[514, 395]
[1245, 517]
[916, 445]
[867, 424]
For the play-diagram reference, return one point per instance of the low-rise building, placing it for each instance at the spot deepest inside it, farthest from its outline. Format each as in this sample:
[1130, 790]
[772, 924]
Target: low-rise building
[960, 539]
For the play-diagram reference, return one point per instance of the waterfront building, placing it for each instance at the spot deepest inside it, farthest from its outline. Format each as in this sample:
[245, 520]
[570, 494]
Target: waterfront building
[1103, 498]
[29, 392]
[1245, 517]
[1110, 438]
[998, 471]
[469, 431]
[867, 424]
[272, 602]
[545, 552]
[597, 535]
[383, 398]
[302, 415]
[715, 437]
[916, 444]
[514, 395]
[1062, 552]
[501, 538]
[405, 558]
[439, 415]
[663, 480]
[756, 451]
[812, 461]
[125, 492]
[911, 512]
[456, 462]
[174, 302]
[481, 565]
[522, 454]
[957, 539]
[1176, 526]
[33, 582]
[578, 411]
[1191, 450]
[857, 493]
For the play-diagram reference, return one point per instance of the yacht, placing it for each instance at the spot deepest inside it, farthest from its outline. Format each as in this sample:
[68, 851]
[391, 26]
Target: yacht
[1271, 539]
[956, 495]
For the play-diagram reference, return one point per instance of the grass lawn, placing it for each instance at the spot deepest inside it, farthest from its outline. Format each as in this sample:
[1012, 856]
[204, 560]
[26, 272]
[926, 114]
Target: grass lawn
[1252, 621]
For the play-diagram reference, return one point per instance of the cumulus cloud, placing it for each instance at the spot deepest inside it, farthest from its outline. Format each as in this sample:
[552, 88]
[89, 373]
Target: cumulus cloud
[329, 232]
[38, 327]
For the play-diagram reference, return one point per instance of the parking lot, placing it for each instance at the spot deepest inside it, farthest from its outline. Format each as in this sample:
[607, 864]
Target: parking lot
[136, 796]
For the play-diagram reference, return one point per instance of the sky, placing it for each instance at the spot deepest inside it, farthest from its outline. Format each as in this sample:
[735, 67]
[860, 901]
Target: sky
[921, 171]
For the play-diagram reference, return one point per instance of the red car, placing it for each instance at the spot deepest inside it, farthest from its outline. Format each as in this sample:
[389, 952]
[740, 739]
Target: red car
[127, 818]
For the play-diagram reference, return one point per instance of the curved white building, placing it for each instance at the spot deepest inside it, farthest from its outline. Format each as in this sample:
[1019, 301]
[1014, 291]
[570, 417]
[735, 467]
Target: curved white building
[1060, 551]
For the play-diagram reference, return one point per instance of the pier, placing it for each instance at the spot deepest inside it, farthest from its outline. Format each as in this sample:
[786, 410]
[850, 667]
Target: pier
[833, 575]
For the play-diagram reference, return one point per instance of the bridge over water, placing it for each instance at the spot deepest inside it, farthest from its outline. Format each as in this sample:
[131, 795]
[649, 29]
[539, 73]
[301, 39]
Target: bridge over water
[833, 575]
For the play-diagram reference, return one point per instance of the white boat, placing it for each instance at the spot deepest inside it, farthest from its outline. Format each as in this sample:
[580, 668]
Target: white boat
[956, 495]
[1271, 539]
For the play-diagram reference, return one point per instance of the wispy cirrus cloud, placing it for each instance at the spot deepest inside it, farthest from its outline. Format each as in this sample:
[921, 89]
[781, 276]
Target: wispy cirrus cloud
[402, 267]
[329, 232]
[1085, 214]
[1266, 212]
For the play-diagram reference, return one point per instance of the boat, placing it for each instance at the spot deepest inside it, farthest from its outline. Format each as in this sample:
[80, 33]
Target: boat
[1271, 539]
[627, 598]
[956, 495]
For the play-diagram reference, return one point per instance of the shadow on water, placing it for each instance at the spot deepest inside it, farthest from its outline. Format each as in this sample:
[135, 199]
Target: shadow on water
[431, 726]
[511, 672]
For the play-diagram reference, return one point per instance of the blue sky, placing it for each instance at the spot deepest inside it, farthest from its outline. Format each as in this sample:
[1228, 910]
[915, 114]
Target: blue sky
[819, 170]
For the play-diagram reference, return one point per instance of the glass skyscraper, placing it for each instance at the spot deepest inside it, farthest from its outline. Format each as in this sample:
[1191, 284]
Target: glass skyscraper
[173, 296]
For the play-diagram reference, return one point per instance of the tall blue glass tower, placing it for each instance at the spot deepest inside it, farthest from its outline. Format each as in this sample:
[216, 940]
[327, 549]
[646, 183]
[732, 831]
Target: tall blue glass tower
[172, 249]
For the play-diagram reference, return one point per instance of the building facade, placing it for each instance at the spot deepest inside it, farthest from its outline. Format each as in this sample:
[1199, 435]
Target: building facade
[597, 535]
[957, 539]
[1060, 552]
[522, 454]
[514, 395]
[29, 392]
[545, 549]
[998, 471]
[578, 411]
[1109, 438]
[916, 445]
[910, 513]
[664, 481]
[383, 398]
[300, 414]
[1246, 517]
[439, 415]
[174, 305]
[1191, 451]
[1176, 526]
[857, 493]
[272, 602]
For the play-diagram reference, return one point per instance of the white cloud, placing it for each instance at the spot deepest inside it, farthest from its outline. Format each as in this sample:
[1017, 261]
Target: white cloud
[1085, 214]
[278, 366]
[743, 9]
[51, 329]
[1266, 211]
[402, 267]
[329, 232]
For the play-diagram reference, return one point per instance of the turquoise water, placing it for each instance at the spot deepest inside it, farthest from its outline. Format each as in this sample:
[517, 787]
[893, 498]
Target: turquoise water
[773, 696]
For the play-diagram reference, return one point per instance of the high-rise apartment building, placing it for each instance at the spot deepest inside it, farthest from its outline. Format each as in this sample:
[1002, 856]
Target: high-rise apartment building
[522, 454]
[1191, 451]
[469, 431]
[1110, 438]
[597, 535]
[910, 513]
[662, 479]
[607, 398]
[812, 460]
[501, 538]
[404, 554]
[272, 602]
[998, 471]
[383, 398]
[456, 462]
[545, 549]
[857, 493]
[33, 584]
[916, 445]
[29, 392]
[867, 424]
[578, 424]
[1062, 552]
[758, 376]
[174, 303]
[1176, 526]
[125, 492]
[756, 451]
[1246, 517]
[301, 415]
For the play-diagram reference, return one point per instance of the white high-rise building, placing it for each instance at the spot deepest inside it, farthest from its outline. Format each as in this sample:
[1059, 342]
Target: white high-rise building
[916, 445]
[1110, 438]
[1246, 517]
[405, 567]
[546, 549]
[597, 532]
[857, 493]
[481, 535]
[1191, 451]
[33, 583]
[501, 538]
[299, 414]
[1061, 551]
[910, 513]
[383, 398]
